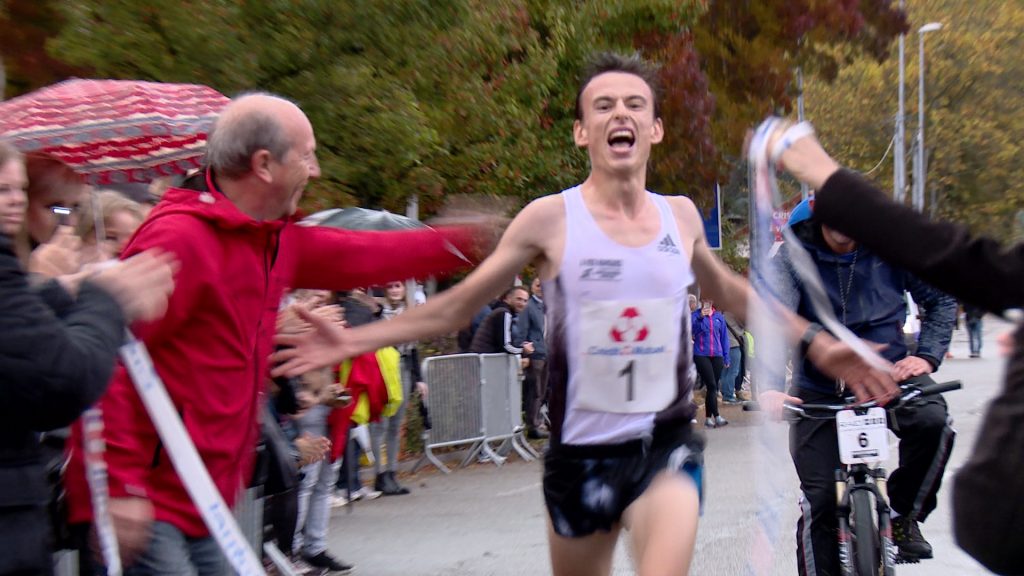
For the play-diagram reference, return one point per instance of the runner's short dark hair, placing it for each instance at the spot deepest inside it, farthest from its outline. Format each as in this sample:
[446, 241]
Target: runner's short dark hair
[602, 62]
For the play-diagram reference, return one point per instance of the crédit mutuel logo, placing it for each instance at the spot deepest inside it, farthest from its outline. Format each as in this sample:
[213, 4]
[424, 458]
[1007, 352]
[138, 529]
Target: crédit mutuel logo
[667, 245]
[626, 335]
[600, 270]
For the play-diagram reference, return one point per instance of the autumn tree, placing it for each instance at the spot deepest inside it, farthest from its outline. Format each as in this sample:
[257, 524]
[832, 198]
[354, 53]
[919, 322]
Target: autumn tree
[476, 96]
[974, 112]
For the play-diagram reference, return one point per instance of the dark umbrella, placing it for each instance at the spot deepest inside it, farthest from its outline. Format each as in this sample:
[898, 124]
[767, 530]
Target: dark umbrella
[361, 219]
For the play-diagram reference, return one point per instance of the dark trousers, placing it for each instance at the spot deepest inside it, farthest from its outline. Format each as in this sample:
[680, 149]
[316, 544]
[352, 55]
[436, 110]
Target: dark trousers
[710, 370]
[535, 392]
[25, 541]
[926, 440]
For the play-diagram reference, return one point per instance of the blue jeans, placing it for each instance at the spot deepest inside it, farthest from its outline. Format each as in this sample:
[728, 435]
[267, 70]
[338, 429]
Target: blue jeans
[314, 515]
[171, 553]
[730, 373]
[974, 334]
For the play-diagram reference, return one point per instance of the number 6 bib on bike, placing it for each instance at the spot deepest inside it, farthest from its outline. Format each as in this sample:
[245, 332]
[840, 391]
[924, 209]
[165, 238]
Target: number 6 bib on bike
[863, 438]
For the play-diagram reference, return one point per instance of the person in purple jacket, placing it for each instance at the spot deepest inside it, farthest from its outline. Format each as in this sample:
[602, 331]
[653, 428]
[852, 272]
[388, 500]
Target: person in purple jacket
[710, 356]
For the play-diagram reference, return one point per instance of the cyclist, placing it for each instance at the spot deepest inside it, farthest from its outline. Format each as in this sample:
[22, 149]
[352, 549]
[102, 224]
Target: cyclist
[867, 296]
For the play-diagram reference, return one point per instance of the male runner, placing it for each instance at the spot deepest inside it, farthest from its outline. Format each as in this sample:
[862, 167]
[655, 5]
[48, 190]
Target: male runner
[615, 261]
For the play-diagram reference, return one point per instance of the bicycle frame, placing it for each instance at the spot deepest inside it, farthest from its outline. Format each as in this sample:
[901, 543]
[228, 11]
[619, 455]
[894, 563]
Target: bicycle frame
[876, 553]
[850, 480]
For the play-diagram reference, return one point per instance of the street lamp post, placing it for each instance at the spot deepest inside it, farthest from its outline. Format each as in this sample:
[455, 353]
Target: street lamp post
[804, 190]
[899, 175]
[920, 170]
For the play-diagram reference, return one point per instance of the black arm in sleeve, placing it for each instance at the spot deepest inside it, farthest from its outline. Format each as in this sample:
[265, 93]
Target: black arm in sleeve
[414, 365]
[508, 337]
[938, 318]
[51, 369]
[975, 269]
[55, 297]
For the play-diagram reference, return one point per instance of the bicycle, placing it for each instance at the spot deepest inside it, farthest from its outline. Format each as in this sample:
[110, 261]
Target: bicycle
[866, 547]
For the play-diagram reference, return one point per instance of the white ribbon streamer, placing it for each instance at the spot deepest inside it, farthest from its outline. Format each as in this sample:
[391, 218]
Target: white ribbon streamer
[96, 475]
[182, 452]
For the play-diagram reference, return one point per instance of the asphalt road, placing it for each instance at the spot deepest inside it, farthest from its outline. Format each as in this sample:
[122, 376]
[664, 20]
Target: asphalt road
[489, 521]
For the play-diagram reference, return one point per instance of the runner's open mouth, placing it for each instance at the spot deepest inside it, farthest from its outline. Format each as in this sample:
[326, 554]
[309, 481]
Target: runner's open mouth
[622, 139]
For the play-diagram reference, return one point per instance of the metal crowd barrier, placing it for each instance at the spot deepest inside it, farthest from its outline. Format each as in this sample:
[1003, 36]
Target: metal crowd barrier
[454, 382]
[502, 395]
[475, 400]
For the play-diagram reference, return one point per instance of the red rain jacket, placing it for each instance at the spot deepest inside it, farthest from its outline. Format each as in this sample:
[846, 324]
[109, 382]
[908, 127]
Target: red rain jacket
[211, 347]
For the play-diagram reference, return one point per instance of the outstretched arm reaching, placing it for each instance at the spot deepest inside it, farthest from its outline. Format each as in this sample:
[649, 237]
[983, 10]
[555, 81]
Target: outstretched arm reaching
[448, 311]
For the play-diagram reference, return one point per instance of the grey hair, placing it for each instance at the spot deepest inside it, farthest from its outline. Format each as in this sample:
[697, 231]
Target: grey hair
[231, 144]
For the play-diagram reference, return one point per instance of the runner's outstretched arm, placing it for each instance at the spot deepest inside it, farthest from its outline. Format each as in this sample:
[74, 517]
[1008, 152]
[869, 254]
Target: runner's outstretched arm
[328, 344]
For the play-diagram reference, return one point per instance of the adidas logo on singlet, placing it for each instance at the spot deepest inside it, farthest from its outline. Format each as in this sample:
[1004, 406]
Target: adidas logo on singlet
[667, 245]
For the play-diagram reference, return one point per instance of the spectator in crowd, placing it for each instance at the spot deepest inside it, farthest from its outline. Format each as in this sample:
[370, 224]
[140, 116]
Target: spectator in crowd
[120, 218]
[732, 374]
[972, 317]
[58, 343]
[495, 334]
[360, 308]
[230, 226]
[47, 245]
[317, 397]
[387, 431]
[55, 195]
[535, 384]
[710, 338]
[466, 334]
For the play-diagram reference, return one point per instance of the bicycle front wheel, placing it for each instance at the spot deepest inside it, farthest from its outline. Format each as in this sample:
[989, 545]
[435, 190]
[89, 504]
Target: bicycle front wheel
[865, 533]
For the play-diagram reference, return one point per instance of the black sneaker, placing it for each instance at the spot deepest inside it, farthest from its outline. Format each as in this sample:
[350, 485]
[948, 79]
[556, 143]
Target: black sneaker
[388, 485]
[906, 534]
[333, 565]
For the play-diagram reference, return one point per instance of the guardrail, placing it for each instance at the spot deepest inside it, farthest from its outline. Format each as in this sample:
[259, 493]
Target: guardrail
[475, 401]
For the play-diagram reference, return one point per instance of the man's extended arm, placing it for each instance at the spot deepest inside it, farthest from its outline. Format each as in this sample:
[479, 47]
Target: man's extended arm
[334, 259]
[945, 255]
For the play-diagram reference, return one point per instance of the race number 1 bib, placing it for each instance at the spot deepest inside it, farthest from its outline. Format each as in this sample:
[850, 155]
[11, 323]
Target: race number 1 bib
[628, 352]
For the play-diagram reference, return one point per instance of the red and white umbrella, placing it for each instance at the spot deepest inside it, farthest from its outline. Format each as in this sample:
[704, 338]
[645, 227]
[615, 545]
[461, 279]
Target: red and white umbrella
[115, 131]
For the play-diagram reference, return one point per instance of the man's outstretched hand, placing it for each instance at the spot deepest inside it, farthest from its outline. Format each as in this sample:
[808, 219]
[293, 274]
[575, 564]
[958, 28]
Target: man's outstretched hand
[838, 360]
[323, 345]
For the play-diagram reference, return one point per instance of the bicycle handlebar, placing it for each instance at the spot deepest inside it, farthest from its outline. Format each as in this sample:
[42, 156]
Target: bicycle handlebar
[939, 387]
[911, 390]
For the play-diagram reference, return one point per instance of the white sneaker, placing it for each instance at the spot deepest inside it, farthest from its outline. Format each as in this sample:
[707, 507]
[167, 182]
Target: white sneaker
[338, 499]
[303, 568]
[365, 493]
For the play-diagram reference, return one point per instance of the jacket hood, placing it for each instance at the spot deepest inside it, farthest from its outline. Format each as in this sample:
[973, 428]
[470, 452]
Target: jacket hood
[199, 196]
[808, 232]
[502, 304]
